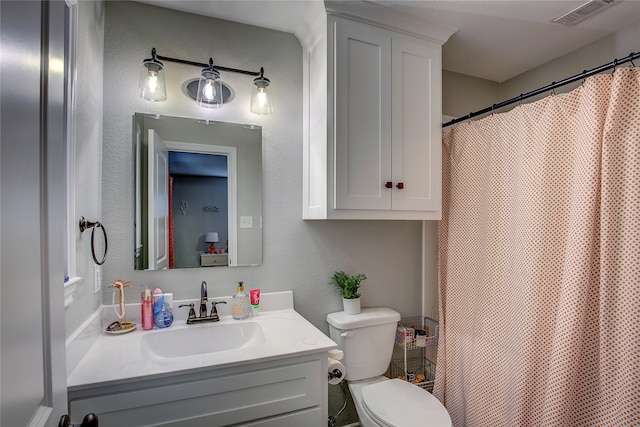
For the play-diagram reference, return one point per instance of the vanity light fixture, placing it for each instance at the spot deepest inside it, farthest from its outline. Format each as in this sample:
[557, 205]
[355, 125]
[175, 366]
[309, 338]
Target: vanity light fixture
[152, 85]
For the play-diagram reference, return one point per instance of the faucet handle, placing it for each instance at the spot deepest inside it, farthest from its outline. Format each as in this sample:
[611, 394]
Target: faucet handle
[192, 311]
[214, 311]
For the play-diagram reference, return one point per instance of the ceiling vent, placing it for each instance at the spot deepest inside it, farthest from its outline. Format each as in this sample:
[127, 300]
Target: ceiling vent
[583, 12]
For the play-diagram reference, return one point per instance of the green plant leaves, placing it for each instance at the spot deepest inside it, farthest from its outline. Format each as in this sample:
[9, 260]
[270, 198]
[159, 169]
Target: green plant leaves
[347, 284]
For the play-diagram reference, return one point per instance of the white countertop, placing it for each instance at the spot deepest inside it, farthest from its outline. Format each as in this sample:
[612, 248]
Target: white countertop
[113, 359]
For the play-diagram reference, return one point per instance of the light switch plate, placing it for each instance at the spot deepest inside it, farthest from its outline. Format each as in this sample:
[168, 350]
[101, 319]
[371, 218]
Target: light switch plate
[246, 221]
[97, 279]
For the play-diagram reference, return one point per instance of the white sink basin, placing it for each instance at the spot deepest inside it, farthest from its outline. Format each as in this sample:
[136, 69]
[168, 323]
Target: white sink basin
[203, 339]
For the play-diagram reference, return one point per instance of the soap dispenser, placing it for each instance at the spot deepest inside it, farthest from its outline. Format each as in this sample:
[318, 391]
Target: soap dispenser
[240, 304]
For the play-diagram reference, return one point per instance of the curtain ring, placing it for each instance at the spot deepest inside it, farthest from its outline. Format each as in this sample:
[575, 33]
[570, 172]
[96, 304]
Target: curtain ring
[584, 76]
[93, 246]
[520, 100]
[553, 89]
[615, 65]
[631, 58]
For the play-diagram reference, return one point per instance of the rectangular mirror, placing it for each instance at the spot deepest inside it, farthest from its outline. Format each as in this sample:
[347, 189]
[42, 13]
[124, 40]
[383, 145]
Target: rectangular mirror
[198, 193]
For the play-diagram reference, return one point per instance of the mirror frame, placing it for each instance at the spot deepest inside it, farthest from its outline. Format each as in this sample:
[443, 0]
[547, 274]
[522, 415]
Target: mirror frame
[232, 150]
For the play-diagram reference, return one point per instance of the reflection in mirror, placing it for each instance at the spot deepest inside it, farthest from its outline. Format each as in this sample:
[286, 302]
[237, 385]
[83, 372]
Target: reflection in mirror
[198, 193]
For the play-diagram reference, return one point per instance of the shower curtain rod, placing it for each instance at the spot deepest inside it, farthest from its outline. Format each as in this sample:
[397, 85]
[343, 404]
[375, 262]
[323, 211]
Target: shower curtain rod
[583, 75]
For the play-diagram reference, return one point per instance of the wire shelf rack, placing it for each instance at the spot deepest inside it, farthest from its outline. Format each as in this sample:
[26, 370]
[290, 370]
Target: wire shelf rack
[414, 335]
[408, 333]
[419, 371]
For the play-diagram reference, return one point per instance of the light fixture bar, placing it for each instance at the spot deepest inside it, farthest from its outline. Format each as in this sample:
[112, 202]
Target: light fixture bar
[206, 65]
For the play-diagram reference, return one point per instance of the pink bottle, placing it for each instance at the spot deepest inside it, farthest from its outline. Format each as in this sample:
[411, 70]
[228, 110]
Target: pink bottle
[147, 309]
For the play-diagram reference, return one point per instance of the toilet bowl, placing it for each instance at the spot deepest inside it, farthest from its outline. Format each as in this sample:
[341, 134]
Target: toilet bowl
[396, 403]
[367, 341]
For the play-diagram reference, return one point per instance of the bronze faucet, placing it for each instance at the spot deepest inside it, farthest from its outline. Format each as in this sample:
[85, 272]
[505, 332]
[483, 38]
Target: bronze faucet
[213, 317]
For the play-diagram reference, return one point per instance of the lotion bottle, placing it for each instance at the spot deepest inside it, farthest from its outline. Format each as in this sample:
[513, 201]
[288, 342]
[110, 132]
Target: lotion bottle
[240, 304]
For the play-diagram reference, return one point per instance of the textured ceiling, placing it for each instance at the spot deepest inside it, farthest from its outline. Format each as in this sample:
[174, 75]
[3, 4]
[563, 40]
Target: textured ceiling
[496, 39]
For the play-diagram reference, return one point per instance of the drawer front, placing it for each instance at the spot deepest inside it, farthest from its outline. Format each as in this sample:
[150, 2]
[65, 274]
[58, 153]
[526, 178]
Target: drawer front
[232, 399]
[214, 259]
[307, 417]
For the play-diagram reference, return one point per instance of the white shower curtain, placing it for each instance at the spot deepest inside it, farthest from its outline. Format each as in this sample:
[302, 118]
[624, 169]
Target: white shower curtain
[539, 262]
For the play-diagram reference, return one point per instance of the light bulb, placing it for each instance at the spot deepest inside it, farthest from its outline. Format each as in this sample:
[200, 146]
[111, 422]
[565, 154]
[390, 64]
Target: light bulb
[209, 90]
[262, 98]
[261, 102]
[152, 81]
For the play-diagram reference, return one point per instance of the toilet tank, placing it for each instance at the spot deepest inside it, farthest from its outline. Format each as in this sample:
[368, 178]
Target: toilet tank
[366, 340]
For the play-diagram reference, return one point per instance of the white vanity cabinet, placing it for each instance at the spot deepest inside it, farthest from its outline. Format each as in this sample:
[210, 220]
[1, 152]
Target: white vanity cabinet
[373, 137]
[286, 392]
[267, 370]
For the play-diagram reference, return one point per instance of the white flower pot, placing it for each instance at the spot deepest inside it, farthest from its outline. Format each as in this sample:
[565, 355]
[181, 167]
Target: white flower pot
[351, 306]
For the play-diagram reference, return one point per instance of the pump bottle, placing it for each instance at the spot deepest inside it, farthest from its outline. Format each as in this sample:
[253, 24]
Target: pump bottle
[240, 304]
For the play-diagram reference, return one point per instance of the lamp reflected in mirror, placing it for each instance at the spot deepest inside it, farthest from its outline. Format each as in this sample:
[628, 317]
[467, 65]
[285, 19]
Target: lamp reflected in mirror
[212, 239]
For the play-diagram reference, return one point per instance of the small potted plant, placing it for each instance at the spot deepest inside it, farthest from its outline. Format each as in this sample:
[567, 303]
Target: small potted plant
[348, 286]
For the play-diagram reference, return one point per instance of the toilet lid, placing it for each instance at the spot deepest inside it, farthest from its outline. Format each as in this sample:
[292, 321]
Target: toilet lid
[397, 403]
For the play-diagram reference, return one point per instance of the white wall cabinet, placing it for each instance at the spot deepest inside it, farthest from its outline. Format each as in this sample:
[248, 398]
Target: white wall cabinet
[373, 147]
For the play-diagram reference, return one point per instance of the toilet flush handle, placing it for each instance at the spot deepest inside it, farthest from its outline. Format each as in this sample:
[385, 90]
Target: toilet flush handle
[347, 334]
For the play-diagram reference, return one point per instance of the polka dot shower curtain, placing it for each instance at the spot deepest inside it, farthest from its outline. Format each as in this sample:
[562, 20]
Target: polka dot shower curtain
[539, 262]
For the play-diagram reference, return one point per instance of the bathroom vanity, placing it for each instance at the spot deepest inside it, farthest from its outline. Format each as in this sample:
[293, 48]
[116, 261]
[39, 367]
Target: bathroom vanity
[267, 370]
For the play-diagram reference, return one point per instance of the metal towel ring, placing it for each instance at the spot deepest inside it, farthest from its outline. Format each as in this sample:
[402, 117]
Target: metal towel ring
[85, 225]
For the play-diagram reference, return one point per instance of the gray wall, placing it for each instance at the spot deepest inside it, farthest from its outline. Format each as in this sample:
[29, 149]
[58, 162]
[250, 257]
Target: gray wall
[298, 255]
[463, 94]
[605, 50]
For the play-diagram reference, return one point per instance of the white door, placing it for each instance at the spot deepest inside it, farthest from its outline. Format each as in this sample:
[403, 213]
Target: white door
[417, 150]
[158, 202]
[32, 215]
[362, 114]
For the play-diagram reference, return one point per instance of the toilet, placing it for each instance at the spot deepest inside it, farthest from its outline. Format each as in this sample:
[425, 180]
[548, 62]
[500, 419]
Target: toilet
[367, 340]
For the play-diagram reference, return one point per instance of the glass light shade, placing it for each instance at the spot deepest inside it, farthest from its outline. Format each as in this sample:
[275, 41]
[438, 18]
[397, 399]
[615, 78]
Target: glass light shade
[209, 86]
[152, 86]
[261, 100]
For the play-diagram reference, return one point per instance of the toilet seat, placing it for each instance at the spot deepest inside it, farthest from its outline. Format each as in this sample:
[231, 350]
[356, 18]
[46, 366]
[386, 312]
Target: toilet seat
[397, 403]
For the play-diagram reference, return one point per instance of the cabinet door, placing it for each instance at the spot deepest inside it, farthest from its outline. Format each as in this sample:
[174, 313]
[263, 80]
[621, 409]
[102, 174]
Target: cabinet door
[416, 125]
[362, 116]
